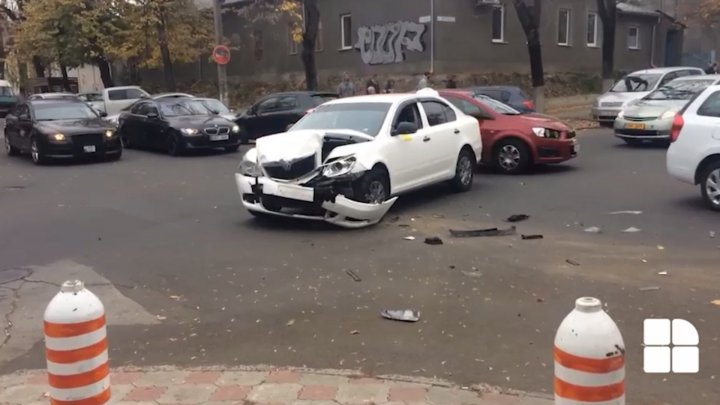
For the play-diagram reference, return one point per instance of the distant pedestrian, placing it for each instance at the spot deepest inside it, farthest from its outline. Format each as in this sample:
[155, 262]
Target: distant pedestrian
[346, 88]
[451, 82]
[390, 87]
[424, 81]
[712, 69]
[373, 83]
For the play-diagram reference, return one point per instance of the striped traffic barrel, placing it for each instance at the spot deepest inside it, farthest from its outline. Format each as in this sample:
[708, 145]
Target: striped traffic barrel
[589, 357]
[76, 347]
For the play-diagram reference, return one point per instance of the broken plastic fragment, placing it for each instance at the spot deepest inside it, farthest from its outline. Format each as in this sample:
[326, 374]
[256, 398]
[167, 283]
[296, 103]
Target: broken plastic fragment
[662, 273]
[409, 238]
[404, 315]
[531, 237]
[434, 240]
[632, 229]
[593, 229]
[626, 212]
[518, 218]
[653, 288]
[482, 232]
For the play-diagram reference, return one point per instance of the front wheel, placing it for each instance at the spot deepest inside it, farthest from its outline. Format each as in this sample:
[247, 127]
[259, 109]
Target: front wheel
[464, 171]
[373, 187]
[512, 156]
[173, 146]
[36, 153]
[710, 186]
[9, 149]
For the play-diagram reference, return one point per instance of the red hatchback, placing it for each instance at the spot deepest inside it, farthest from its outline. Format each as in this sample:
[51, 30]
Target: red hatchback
[513, 142]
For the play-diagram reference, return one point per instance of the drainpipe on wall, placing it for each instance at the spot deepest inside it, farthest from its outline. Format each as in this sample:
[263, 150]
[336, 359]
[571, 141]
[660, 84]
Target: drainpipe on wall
[654, 44]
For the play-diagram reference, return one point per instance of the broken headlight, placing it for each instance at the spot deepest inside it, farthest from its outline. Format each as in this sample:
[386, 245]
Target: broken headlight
[339, 167]
[249, 168]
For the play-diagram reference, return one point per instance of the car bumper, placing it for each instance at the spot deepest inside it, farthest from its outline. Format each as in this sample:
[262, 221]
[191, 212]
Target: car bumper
[76, 150]
[264, 195]
[605, 114]
[679, 165]
[556, 150]
[656, 129]
[204, 142]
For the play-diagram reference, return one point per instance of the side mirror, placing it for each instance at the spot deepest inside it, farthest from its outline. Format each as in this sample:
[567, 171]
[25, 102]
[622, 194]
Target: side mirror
[405, 128]
[215, 112]
[483, 116]
[153, 115]
[103, 114]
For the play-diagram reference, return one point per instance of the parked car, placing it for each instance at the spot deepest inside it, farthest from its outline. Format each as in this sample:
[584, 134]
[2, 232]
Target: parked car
[510, 95]
[633, 87]
[275, 113]
[651, 117]
[176, 125]
[54, 96]
[94, 100]
[113, 118]
[513, 142]
[114, 99]
[347, 161]
[694, 154]
[216, 106]
[170, 95]
[49, 129]
[8, 98]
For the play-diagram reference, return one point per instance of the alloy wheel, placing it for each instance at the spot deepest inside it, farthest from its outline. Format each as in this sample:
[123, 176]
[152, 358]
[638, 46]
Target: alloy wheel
[712, 187]
[35, 152]
[509, 157]
[465, 168]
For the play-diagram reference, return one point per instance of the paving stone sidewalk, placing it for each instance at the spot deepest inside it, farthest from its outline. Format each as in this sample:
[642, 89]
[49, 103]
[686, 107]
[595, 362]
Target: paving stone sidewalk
[265, 386]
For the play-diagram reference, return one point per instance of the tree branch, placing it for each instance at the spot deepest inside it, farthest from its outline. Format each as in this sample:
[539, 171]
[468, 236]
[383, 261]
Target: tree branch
[11, 14]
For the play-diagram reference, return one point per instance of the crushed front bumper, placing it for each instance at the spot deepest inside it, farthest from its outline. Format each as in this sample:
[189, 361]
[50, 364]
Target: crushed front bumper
[318, 203]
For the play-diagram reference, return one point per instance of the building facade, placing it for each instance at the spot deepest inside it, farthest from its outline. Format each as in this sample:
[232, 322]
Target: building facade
[468, 36]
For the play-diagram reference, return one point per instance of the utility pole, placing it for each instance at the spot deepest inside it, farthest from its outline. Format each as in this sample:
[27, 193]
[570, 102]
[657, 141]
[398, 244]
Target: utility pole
[432, 36]
[221, 71]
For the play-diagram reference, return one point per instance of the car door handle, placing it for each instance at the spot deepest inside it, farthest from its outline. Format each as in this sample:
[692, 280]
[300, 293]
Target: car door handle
[457, 131]
[426, 139]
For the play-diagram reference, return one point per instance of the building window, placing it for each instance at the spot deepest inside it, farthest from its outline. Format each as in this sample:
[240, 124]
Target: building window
[592, 30]
[318, 40]
[258, 44]
[346, 31]
[293, 38]
[633, 38]
[563, 37]
[498, 23]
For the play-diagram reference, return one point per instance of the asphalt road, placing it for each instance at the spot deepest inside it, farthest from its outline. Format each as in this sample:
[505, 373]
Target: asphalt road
[171, 235]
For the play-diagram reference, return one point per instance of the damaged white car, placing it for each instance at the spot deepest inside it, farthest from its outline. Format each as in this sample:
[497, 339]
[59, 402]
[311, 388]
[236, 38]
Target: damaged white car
[347, 161]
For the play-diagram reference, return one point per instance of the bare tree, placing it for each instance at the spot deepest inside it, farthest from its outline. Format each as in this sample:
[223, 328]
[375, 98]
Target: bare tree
[607, 9]
[529, 12]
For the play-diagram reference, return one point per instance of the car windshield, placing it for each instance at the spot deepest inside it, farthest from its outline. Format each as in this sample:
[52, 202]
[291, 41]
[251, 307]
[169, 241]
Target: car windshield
[216, 105]
[319, 99]
[497, 106]
[6, 91]
[183, 108]
[63, 111]
[679, 90]
[636, 83]
[367, 118]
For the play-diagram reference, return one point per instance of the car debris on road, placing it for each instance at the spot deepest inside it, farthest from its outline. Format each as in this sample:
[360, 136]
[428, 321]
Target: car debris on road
[434, 240]
[531, 237]
[632, 229]
[353, 276]
[403, 315]
[626, 213]
[593, 229]
[518, 218]
[483, 232]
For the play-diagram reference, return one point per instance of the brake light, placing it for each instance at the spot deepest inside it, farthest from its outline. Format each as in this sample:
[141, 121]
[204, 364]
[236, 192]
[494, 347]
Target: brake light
[529, 104]
[677, 125]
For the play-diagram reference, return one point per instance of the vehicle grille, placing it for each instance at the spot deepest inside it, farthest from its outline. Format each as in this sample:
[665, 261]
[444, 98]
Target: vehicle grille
[217, 131]
[290, 170]
[87, 139]
[612, 104]
[639, 119]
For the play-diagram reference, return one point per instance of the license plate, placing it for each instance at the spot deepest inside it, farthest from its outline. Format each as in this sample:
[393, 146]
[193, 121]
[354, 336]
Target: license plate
[295, 192]
[219, 137]
[576, 148]
[89, 148]
[634, 125]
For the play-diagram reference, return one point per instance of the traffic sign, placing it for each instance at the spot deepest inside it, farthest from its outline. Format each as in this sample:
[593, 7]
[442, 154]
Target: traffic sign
[221, 55]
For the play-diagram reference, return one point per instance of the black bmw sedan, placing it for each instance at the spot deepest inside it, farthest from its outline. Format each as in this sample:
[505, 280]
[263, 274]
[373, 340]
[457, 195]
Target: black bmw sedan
[176, 126]
[48, 129]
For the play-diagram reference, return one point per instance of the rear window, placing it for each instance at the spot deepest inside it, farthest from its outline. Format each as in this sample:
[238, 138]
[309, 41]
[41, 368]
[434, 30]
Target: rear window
[125, 94]
[711, 106]
[318, 99]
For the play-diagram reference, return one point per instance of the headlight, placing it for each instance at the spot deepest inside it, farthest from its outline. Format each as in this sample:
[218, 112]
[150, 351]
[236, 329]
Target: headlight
[668, 114]
[339, 167]
[189, 131]
[58, 137]
[235, 129]
[249, 168]
[109, 133]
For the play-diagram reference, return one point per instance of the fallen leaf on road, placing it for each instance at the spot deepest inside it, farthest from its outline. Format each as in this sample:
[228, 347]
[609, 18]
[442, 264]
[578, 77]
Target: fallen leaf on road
[626, 213]
[290, 322]
[632, 229]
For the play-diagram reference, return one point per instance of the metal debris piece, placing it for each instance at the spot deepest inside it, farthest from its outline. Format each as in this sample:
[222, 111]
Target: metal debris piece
[573, 262]
[593, 229]
[434, 240]
[518, 218]
[409, 238]
[483, 232]
[662, 273]
[531, 237]
[632, 229]
[353, 276]
[652, 288]
[403, 315]
[626, 213]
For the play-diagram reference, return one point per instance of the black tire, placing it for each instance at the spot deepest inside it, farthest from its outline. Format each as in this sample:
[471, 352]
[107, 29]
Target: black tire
[373, 187]
[114, 157]
[36, 152]
[243, 135]
[9, 149]
[512, 156]
[632, 142]
[710, 185]
[174, 148]
[464, 172]
[605, 124]
[232, 149]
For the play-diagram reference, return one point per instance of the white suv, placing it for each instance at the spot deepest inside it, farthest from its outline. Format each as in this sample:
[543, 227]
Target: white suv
[694, 155]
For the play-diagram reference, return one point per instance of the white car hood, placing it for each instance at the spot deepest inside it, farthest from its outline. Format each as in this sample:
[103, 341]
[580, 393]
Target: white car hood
[623, 98]
[297, 144]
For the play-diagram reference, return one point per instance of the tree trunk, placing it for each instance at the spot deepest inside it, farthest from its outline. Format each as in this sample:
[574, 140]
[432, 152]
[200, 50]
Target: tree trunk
[529, 17]
[65, 78]
[607, 9]
[39, 66]
[165, 54]
[105, 72]
[312, 24]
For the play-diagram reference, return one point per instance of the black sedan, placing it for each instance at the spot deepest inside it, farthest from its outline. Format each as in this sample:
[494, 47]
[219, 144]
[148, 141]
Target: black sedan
[176, 125]
[273, 114]
[48, 129]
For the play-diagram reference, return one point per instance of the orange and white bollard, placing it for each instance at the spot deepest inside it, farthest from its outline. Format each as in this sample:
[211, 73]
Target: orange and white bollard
[76, 347]
[589, 357]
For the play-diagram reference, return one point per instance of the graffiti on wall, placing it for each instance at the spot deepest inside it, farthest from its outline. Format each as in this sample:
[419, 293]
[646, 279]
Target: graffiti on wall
[385, 44]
